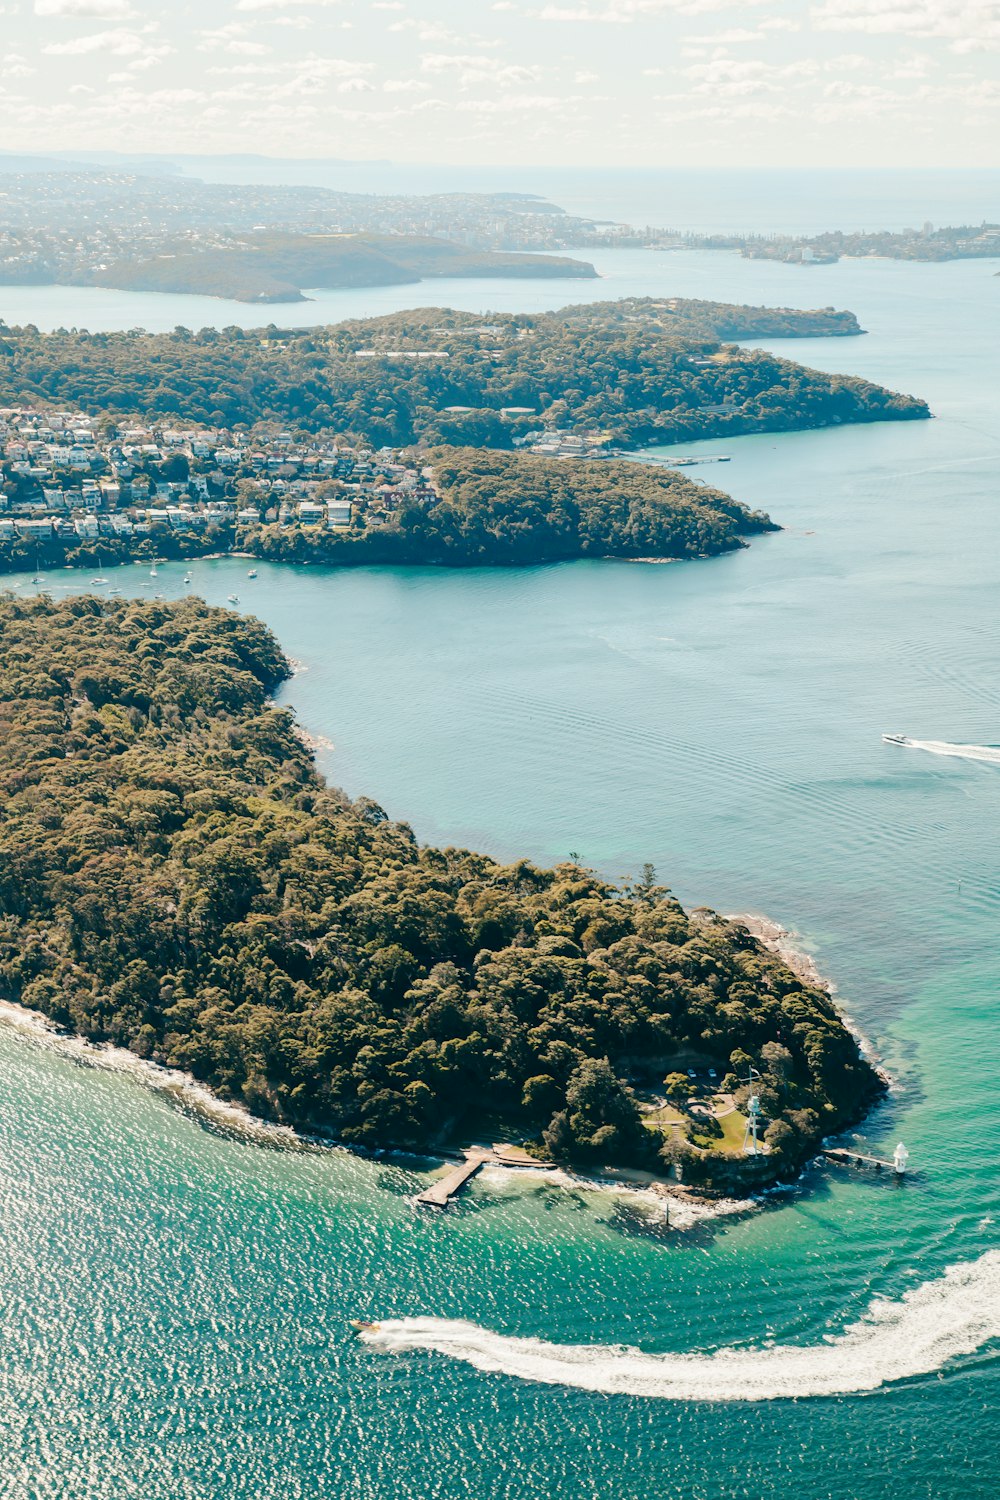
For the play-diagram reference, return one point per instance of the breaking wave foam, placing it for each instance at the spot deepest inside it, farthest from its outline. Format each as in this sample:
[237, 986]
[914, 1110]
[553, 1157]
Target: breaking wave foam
[936, 1322]
[180, 1088]
[988, 753]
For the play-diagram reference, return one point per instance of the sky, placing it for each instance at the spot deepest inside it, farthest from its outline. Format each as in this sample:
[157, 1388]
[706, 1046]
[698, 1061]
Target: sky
[636, 83]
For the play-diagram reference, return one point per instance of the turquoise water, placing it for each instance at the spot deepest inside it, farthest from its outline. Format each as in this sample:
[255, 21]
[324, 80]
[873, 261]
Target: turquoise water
[173, 1300]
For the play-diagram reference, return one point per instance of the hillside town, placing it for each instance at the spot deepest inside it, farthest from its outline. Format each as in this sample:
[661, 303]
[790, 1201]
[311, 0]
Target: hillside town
[73, 227]
[68, 475]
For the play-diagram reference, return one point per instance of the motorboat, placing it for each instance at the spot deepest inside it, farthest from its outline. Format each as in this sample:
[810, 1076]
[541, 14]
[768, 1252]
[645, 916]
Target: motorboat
[897, 739]
[252, 573]
[233, 598]
[358, 1325]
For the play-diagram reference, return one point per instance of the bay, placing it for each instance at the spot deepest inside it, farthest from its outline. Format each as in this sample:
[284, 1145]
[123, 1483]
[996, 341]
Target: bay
[174, 1300]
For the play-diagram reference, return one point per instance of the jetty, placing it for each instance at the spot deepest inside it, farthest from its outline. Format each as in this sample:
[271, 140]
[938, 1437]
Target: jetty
[845, 1158]
[440, 1193]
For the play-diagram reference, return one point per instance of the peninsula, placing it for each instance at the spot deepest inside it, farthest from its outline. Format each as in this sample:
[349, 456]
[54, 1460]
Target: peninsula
[928, 243]
[480, 507]
[176, 878]
[275, 267]
[640, 372]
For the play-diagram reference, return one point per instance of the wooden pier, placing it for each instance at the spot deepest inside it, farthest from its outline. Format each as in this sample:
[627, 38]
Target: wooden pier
[845, 1158]
[440, 1193]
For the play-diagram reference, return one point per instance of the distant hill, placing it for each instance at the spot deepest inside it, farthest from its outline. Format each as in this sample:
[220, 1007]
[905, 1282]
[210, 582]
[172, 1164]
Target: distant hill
[11, 164]
[276, 267]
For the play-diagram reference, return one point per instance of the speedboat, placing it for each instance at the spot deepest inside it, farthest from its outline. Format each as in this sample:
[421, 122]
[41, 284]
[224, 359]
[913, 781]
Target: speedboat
[358, 1325]
[233, 598]
[252, 573]
[897, 739]
[98, 580]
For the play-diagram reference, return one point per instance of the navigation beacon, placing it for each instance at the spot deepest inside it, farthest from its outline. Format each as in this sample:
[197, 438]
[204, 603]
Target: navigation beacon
[753, 1119]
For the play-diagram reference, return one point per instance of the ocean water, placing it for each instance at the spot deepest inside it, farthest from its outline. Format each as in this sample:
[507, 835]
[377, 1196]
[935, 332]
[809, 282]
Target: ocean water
[762, 202]
[174, 1300]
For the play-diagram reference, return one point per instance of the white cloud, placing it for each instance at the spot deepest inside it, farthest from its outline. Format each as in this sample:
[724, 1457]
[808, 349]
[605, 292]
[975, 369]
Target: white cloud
[624, 12]
[513, 104]
[967, 24]
[119, 42]
[735, 34]
[443, 62]
[474, 69]
[258, 5]
[90, 10]
[733, 78]
[761, 76]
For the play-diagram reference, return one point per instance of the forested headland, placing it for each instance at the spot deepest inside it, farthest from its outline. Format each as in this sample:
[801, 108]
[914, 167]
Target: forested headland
[696, 317]
[637, 371]
[176, 878]
[275, 267]
[509, 509]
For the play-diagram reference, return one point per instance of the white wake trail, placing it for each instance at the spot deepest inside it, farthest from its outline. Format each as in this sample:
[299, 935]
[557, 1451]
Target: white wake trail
[988, 753]
[936, 1322]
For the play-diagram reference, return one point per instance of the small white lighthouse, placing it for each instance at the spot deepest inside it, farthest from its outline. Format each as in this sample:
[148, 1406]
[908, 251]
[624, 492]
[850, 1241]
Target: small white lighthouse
[750, 1143]
[899, 1159]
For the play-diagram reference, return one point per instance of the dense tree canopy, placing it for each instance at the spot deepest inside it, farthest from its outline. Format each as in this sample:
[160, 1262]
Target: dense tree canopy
[508, 508]
[176, 878]
[646, 377]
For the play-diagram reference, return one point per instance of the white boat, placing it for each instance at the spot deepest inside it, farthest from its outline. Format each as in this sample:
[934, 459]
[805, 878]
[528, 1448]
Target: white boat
[113, 592]
[252, 573]
[233, 598]
[98, 580]
[897, 739]
[187, 577]
[152, 573]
